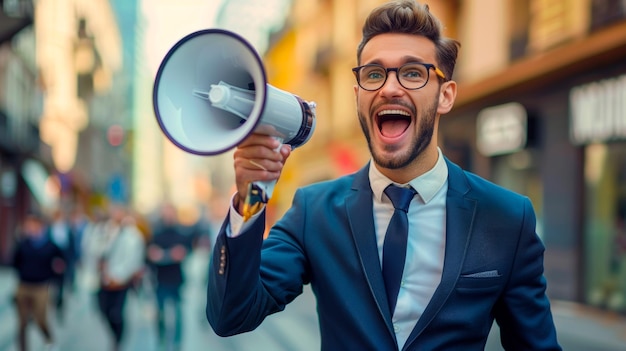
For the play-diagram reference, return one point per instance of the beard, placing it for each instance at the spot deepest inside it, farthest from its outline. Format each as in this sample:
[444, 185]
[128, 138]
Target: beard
[401, 159]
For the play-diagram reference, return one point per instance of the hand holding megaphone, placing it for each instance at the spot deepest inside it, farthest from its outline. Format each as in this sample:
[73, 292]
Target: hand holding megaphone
[258, 161]
[211, 94]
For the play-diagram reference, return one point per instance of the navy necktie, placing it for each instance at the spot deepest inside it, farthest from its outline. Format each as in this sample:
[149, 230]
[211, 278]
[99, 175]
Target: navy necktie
[394, 247]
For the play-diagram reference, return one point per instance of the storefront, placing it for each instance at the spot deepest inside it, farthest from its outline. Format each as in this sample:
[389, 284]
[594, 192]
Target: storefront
[598, 126]
[14, 196]
[24, 183]
[564, 146]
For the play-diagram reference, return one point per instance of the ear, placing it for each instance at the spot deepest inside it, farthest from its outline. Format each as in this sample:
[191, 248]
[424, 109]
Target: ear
[447, 95]
[356, 89]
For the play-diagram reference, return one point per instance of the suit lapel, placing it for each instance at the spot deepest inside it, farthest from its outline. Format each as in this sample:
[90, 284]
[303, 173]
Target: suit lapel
[459, 217]
[359, 208]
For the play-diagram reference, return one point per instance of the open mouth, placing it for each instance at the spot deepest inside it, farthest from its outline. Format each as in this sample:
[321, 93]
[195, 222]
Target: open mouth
[393, 123]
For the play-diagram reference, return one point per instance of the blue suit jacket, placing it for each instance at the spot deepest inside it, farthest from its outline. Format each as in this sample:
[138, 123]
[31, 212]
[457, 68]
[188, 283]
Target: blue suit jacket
[493, 269]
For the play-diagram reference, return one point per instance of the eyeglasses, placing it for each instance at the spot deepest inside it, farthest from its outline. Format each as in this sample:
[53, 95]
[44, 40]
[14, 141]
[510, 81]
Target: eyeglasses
[412, 75]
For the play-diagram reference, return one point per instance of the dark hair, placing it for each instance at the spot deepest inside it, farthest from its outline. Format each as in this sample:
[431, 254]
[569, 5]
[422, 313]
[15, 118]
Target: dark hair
[409, 17]
[36, 214]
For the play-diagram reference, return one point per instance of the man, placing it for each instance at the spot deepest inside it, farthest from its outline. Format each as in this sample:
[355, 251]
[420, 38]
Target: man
[37, 260]
[167, 250]
[472, 254]
[122, 259]
[63, 236]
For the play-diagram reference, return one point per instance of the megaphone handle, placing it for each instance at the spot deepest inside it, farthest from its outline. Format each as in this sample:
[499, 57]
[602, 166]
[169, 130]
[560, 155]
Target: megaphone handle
[259, 193]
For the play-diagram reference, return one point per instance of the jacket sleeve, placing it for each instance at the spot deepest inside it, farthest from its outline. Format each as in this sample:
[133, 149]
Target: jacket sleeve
[234, 281]
[251, 278]
[523, 313]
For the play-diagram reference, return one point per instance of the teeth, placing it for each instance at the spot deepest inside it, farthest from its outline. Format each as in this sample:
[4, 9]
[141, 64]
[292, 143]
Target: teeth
[393, 112]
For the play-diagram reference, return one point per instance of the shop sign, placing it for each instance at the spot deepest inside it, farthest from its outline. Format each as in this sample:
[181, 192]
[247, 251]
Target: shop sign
[598, 111]
[502, 129]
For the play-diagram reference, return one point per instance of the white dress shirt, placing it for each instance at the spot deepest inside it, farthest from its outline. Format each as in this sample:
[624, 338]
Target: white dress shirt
[426, 241]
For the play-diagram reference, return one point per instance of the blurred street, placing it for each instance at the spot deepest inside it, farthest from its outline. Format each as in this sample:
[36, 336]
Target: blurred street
[84, 330]
[580, 328]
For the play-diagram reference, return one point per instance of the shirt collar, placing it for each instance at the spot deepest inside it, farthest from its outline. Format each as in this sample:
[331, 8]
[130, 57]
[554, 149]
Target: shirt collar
[426, 185]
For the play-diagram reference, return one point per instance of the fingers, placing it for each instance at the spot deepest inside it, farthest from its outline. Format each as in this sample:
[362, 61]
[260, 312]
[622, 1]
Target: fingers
[259, 158]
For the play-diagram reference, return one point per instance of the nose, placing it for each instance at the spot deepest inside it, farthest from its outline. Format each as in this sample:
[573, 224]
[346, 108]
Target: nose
[392, 85]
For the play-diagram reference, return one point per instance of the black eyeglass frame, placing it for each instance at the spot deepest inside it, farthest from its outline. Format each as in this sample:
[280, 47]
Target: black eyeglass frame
[428, 66]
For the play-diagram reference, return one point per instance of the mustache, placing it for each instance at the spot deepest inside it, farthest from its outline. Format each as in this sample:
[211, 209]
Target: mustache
[398, 102]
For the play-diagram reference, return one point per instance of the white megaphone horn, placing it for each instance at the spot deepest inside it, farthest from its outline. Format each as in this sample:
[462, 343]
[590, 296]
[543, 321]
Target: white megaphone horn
[211, 92]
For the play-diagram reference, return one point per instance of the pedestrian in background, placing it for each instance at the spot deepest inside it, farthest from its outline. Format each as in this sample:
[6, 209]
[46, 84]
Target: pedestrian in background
[472, 253]
[121, 260]
[169, 247]
[37, 260]
[78, 222]
[92, 245]
[63, 236]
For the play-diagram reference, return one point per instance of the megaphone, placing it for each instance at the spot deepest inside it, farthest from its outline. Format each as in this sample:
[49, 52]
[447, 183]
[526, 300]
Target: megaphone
[211, 92]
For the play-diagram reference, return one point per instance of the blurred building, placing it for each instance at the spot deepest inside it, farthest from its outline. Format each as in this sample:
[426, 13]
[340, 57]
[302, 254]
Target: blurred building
[58, 59]
[540, 109]
[23, 158]
[84, 114]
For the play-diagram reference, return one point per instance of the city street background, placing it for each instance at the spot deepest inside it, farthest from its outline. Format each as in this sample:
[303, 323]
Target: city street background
[540, 111]
[579, 328]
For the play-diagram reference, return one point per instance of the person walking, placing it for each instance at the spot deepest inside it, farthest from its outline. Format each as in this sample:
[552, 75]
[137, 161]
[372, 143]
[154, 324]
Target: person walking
[63, 236]
[37, 261]
[467, 249]
[167, 250]
[122, 259]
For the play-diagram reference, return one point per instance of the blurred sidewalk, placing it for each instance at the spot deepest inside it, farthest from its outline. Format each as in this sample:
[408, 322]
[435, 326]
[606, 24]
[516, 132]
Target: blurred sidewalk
[7, 311]
[579, 327]
[83, 328]
[582, 327]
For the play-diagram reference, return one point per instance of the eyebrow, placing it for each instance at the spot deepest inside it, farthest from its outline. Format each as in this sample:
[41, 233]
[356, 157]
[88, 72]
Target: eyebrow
[404, 59]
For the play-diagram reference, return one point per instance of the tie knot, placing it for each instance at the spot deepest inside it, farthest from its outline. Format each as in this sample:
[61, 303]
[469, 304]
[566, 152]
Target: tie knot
[400, 197]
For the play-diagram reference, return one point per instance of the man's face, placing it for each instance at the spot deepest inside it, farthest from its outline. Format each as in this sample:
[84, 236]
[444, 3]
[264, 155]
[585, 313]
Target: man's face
[33, 227]
[398, 123]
